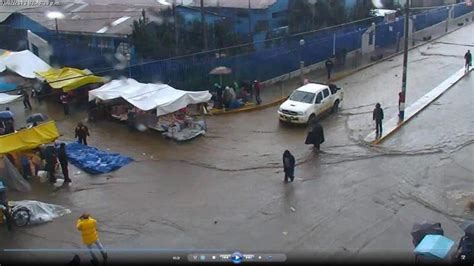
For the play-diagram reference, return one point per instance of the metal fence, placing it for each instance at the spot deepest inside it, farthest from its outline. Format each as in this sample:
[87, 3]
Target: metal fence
[191, 73]
[278, 57]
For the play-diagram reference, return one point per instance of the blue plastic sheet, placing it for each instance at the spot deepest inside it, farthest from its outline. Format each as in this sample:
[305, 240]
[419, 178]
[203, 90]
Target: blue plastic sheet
[93, 160]
[6, 87]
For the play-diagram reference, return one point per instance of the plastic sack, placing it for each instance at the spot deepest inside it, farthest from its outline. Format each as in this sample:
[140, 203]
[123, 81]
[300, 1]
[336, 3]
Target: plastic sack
[42, 212]
[43, 176]
[12, 178]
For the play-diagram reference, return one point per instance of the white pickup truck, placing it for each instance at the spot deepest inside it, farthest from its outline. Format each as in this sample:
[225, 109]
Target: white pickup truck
[310, 101]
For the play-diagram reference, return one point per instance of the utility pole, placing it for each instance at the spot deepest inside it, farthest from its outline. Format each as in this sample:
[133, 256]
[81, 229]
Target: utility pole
[57, 29]
[176, 28]
[204, 25]
[250, 21]
[402, 96]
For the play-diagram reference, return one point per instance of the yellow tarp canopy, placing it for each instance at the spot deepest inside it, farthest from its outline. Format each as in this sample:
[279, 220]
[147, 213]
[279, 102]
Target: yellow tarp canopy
[29, 138]
[69, 79]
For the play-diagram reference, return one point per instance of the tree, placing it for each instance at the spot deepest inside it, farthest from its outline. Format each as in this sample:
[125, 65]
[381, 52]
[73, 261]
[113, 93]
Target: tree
[338, 12]
[362, 10]
[300, 16]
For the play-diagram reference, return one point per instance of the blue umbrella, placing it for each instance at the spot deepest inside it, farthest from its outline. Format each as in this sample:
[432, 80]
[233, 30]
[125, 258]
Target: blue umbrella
[6, 115]
[434, 246]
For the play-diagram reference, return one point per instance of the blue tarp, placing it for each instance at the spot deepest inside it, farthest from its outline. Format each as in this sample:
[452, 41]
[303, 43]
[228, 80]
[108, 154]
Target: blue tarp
[6, 87]
[93, 160]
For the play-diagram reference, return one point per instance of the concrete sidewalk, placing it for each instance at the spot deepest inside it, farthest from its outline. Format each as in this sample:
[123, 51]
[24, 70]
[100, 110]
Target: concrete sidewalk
[411, 111]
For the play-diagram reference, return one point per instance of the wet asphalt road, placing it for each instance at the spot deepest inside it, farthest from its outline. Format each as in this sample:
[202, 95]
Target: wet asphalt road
[225, 191]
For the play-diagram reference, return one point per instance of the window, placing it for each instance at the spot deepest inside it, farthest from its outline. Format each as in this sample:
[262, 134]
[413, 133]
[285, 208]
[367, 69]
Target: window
[319, 98]
[35, 49]
[333, 88]
[262, 25]
[326, 93]
[302, 96]
[280, 14]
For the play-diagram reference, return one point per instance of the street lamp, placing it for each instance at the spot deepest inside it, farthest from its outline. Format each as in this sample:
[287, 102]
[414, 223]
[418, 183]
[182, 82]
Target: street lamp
[302, 42]
[55, 15]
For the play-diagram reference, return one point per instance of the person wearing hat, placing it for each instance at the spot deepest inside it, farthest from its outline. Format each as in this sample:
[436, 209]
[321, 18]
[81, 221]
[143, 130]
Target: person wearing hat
[88, 227]
[256, 87]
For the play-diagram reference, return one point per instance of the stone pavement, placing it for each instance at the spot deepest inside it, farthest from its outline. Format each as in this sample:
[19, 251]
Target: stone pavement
[394, 123]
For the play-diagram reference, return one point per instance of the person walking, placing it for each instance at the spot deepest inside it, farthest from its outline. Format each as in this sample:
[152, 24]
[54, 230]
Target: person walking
[26, 99]
[64, 98]
[4, 210]
[25, 167]
[468, 58]
[288, 166]
[329, 66]
[257, 88]
[51, 161]
[377, 116]
[315, 135]
[82, 132]
[63, 161]
[131, 120]
[88, 227]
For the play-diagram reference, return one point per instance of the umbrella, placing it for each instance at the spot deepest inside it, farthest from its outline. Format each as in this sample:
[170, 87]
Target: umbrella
[6, 115]
[468, 227]
[36, 118]
[420, 230]
[434, 245]
[222, 70]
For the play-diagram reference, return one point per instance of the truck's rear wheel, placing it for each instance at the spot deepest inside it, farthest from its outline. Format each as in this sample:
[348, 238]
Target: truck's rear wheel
[335, 107]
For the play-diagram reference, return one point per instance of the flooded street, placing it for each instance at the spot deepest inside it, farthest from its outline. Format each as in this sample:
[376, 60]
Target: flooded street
[226, 190]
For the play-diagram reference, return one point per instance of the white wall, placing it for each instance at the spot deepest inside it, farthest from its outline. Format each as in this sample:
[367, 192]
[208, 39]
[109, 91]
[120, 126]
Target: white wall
[44, 51]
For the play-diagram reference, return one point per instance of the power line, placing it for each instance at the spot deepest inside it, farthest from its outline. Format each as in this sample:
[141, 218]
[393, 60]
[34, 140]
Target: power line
[107, 70]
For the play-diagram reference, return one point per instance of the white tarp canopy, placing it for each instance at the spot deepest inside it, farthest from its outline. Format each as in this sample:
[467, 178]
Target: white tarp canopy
[24, 63]
[6, 98]
[147, 96]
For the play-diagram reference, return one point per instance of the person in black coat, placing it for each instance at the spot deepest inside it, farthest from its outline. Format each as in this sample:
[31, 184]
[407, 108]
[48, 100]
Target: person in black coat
[315, 135]
[63, 161]
[378, 117]
[81, 133]
[289, 166]
[329, 66]
[51, 160]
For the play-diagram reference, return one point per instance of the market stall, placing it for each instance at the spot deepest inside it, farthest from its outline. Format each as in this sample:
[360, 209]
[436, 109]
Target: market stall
[156, 106]
[68, 79]
[19, 157]
[6, 98]
[75, 82]
[24, 63]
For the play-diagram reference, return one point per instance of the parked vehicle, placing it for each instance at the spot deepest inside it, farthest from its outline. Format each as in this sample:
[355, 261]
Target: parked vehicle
[19, 215]
[310, 101]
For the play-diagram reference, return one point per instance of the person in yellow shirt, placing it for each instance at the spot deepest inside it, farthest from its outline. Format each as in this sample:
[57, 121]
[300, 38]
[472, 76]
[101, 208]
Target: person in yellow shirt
[87, 225]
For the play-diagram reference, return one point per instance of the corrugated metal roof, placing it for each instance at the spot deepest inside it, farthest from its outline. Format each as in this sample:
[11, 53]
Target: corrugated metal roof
[91, 18]
[254, 4]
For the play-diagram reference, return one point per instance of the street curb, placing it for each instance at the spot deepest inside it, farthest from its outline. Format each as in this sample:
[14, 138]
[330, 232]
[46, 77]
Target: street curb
[338, 77]
[250, 109]
[400, 124]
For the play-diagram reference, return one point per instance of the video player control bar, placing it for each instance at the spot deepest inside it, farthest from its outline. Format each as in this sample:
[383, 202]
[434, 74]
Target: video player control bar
[237, 257]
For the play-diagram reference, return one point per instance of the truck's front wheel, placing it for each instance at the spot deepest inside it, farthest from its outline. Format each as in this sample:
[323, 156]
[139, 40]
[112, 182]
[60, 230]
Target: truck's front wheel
[311, 119]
